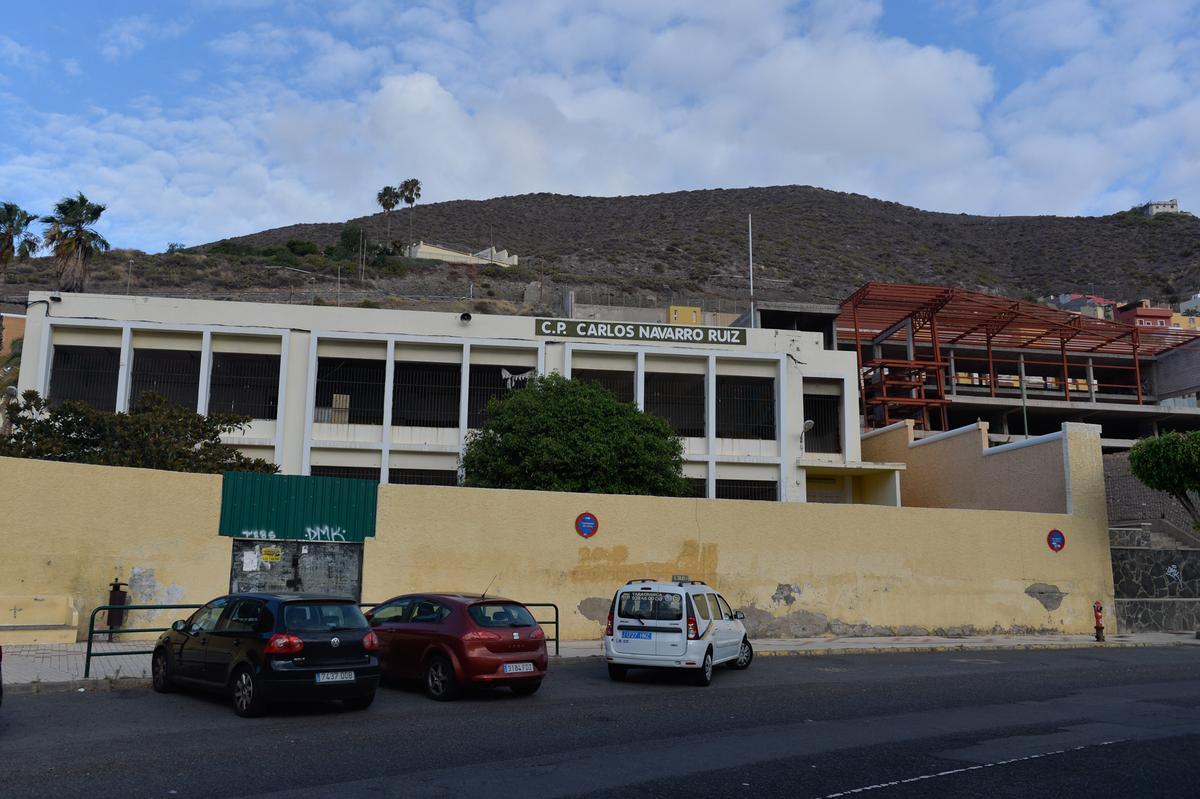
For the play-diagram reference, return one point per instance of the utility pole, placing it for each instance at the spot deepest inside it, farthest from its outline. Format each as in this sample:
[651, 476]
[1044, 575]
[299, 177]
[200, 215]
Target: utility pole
[750, 238]
[128, 276]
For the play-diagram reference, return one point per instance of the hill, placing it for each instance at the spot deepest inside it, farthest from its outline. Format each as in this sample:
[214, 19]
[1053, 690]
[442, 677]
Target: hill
[809, 244]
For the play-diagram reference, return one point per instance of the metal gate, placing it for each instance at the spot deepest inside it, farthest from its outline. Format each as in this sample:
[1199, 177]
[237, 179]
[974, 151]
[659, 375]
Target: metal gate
[315, 567]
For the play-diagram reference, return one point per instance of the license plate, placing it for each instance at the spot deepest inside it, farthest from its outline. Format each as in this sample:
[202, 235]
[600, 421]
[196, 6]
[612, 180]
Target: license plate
[636, 635]
[335, 676]
[512, 668]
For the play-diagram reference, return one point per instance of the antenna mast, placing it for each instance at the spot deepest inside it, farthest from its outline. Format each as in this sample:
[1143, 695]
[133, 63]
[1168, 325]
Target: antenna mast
[750, 239]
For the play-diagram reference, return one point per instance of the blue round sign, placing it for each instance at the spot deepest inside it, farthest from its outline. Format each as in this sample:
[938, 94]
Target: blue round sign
[586, 524]
[1056, 540]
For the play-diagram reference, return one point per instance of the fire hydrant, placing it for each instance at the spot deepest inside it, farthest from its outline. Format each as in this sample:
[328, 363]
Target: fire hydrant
[1098, 612]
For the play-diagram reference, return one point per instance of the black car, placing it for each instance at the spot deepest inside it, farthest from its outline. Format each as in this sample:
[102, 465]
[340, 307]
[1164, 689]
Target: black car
[266, 647]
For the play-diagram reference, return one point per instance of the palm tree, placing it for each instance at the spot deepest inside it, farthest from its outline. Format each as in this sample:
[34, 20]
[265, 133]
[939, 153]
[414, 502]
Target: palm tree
[410, 192]
[388, 198]
[15, 238]
[10, 367]
[73, 239]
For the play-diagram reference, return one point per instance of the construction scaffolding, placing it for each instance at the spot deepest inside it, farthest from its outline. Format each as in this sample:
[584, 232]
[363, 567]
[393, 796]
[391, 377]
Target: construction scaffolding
[912, 342]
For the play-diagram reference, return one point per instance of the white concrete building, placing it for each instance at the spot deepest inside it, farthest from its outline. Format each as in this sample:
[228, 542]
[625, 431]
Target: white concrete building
[390, 395]
[440, 252]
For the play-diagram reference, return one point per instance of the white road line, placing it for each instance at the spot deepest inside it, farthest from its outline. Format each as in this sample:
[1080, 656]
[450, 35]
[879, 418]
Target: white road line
[893, 783]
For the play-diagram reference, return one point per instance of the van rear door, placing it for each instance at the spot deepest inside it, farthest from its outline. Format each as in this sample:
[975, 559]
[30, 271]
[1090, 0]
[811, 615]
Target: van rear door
[642, 618]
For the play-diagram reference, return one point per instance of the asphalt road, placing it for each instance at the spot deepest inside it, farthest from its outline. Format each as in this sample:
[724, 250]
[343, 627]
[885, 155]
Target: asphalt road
[1078, 723]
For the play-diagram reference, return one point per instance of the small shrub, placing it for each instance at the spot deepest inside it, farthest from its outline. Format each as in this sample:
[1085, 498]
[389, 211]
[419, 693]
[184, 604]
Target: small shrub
[302, 248]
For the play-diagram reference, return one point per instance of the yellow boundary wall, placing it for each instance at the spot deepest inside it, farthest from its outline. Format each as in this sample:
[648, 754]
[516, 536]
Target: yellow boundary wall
[794, 568]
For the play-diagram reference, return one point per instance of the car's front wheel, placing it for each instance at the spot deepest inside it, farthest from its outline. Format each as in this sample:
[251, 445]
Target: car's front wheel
[703, 675]
[248, 699]
[744, 657]
[160, 673]
[440, 681]
[359, 702]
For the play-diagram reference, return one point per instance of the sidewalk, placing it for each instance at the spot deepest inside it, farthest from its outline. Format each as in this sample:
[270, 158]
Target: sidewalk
[61, 665]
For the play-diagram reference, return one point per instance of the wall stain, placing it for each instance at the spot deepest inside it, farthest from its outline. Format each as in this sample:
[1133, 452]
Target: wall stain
[612, 565]
[1048, 595]
[787, 593]
[595, 608]
[811, 624]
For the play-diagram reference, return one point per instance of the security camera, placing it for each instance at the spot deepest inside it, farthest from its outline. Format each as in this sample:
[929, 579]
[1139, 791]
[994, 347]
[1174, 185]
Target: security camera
[464, 318]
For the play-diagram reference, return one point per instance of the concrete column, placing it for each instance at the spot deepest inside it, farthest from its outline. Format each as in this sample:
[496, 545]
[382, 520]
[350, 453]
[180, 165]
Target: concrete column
[464, 397]
[281, 415]
[953, 375]
[786, 468]
[124, 368]
[710, 422]
[310, 403]
[1091, 378]
[639, 381]
[205, 378]
[389, 380]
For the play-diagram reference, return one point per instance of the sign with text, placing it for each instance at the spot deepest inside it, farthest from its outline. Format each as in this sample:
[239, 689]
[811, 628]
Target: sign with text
[640, 331]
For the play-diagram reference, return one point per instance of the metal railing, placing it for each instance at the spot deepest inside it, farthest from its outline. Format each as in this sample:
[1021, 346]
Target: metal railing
[87, 662]
[553, 621]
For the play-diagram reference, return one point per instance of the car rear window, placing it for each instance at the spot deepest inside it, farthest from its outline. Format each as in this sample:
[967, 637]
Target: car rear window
[650, 605]
[321, 616]
[501, 615]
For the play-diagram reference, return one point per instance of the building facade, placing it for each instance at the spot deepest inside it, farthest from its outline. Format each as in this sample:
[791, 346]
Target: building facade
[391, 395]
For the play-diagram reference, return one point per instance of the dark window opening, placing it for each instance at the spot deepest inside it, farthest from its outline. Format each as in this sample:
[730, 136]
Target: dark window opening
[745, 407]
[825, 412]
[353, 472]
[488, 382]
[173, 374]
[766, 490]
[349, 391]
[618, 382]
[85, 374]
[245, 385]
[699, 486]
[678, 398]
[426, 394]
[423, 477]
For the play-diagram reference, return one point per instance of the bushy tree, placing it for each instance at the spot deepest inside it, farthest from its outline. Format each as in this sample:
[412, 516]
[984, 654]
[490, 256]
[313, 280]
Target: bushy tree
[154, 435]
[556, 434]
[1171, 463]
[16, 241]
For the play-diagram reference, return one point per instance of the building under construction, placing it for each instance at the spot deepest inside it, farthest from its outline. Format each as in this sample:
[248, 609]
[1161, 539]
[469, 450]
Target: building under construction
[946, 357]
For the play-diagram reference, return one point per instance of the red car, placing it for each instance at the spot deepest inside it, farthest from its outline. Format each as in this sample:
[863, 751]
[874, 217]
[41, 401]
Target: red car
[449, 641]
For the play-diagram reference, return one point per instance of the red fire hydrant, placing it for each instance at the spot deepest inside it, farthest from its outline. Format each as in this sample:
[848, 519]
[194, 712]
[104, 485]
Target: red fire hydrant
[1098, 612]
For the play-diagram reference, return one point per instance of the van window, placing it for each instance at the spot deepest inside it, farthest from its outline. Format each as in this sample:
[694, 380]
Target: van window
[701, 607]
[725, 607]
[712, 603]
[650, 606]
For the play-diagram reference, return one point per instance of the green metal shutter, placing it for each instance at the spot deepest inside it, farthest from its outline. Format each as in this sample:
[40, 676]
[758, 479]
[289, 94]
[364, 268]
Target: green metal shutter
[292, 508]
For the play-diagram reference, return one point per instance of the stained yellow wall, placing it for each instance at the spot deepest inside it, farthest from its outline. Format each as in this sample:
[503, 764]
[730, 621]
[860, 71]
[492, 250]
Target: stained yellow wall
[69, 529]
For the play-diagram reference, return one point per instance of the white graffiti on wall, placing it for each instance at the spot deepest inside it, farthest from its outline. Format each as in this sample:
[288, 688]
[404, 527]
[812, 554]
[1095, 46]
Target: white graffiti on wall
[324, 532]
[1173, 573]
[262, 535]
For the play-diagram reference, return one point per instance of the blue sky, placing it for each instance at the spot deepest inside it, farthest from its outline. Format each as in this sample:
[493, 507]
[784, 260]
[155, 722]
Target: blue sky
[195, 121]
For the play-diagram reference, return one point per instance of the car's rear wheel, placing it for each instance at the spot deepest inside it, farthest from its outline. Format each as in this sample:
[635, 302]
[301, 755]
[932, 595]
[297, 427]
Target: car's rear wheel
[248, 699]
[744, 657]
[440, 682]
[703, 675]
[617, 673]
[359, 702]
[160, 673]
[527, 688]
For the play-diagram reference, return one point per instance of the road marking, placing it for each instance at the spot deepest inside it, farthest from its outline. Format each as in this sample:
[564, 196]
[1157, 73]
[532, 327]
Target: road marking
[950, 772]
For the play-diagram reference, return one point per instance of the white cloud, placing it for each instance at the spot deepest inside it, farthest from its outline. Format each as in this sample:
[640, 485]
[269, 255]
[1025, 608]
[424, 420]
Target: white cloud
[128, 35]
[15, 54]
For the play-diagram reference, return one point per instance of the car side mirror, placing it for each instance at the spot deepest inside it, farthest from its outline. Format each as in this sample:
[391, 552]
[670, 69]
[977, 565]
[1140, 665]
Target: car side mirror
[179, 625]
[737, 614]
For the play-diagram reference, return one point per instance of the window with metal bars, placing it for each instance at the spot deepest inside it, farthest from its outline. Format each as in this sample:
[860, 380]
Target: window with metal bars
[618, 382]
[173, 374]
[678, 398]
[825, 411]
[244, 384]
[699, 486]
[423, 477]
[426, 394]
[488, 381]
[353, 472]
[85, 374]
[349, 391]
[766, 490]
[745, 407]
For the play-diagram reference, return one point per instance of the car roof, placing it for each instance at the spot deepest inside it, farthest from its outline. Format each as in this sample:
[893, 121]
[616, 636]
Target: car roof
[285, 596]
[659, 585]
[455, 597]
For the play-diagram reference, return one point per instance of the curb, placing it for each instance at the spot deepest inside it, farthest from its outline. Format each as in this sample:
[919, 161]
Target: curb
[884, 650]
[66, 686]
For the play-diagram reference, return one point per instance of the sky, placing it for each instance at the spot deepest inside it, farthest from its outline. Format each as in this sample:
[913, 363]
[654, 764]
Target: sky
[196, 121]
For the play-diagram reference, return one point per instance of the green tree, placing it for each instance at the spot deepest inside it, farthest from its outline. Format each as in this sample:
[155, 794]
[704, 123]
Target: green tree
[563, 435]
[15, 239]
[410, 192]
[154, 435]
[388, 198]
[73, 240]
[1171, 463]
[10, 366]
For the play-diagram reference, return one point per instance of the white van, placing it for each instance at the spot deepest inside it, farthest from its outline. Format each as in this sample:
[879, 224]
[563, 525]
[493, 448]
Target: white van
[679, 625]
